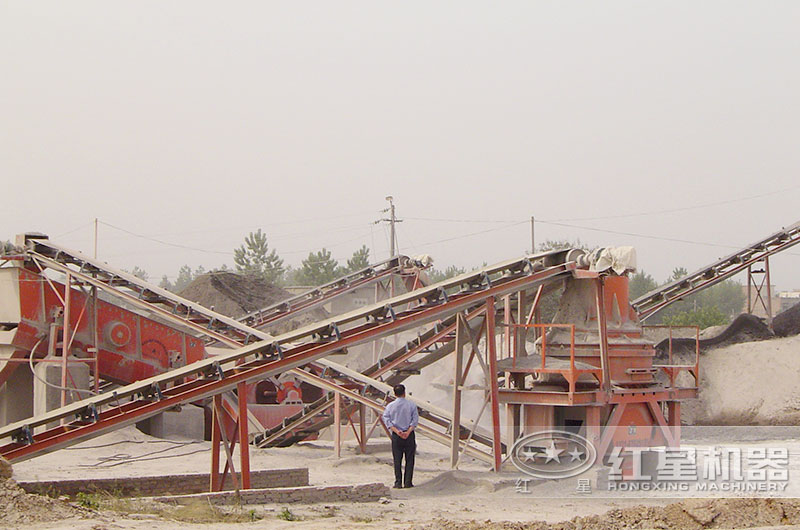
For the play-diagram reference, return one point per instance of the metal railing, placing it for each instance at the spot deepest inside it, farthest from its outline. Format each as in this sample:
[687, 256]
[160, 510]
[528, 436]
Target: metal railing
[671, 369]
[572, 373]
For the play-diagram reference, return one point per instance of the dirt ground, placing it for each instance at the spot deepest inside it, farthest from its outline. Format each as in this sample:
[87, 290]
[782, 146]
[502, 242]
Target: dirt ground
[470, 498]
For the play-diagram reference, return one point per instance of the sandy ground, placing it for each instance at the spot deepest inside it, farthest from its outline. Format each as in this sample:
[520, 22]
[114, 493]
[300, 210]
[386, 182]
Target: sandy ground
[731, 390]
[471, 494]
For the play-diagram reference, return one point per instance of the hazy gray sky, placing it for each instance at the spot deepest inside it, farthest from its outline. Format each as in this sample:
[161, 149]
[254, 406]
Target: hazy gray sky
[196, 122]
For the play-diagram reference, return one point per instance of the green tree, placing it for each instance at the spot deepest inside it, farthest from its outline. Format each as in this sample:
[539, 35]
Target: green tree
[255, 257]
[318, 268]
[359, 260]
[185, 277]
[640, 284]
[165, 283]
[560, 244]
[703, 317]
[139, 273]
[436, 275]
[677, 274]
[727, 298]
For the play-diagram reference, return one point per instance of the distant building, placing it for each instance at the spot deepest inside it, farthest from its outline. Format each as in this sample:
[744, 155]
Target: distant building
[788, 299]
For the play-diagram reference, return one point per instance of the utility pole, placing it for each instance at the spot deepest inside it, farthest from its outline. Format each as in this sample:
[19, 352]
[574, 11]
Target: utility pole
[533, 241]
[95, 238]
[392, 220]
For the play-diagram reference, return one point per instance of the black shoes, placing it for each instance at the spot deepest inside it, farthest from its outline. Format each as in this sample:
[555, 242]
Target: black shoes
[397, 486]
[408, 486]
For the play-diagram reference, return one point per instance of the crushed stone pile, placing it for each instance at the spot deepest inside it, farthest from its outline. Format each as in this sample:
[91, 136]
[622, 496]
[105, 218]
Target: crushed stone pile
[787, 323]
[695, 514]
[18, 507]
[6, 471]
[232, 294]
[744, 328]
[235, 295]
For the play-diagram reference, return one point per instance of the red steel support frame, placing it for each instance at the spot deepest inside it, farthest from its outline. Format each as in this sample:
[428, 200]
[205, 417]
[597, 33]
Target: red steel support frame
[375, 372]
[491, 352]
[182, 390]
[244, 438]
[760, 289]
[215, 441]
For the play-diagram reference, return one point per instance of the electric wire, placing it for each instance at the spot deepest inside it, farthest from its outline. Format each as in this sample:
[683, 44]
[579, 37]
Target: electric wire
[59, 387]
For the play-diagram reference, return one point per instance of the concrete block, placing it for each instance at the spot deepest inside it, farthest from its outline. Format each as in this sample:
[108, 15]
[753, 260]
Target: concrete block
[47, 397]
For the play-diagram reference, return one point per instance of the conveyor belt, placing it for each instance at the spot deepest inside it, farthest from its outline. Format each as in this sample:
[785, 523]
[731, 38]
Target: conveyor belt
[648, 304]
[299, 304]
[104, 413]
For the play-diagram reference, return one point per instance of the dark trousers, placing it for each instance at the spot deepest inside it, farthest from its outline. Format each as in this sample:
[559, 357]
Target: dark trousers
[403, 448]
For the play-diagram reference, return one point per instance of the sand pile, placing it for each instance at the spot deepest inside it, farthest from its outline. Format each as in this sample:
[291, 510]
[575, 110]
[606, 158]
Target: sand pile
[752, 383]
[687, 515]
[235, 295]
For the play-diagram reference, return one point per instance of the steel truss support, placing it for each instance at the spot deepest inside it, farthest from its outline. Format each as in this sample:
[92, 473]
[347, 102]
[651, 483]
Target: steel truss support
[223, 436]
[650, 303]
[209, 377]
[360, 432]
[397, 363]
[759, 292]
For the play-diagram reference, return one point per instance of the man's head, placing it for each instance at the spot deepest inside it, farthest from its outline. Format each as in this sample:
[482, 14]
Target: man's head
[400, 391]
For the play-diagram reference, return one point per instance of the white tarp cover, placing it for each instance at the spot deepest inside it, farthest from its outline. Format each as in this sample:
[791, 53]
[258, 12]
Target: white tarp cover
[618, 259]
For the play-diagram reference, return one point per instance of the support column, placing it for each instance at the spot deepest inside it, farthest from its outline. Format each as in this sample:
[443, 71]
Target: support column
[455, 435]
[603, 333]
[520, 334]
[513, 423]
[216, 437]
[362, 428]
[491, 353]
[674, 419]
[337, 424]
[593, 428]
[508, 320]
[65, 340]
[769, 292]
[756, 291]
[244, 440]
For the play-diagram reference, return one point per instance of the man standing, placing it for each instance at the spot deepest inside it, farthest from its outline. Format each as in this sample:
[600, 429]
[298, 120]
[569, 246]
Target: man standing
[401, 418]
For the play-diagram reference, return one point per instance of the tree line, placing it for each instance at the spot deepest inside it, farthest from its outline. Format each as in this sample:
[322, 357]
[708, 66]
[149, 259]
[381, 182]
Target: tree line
[714, 306]
[255, 258]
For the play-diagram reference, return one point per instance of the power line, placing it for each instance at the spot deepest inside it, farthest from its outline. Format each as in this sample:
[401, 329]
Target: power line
[682, 209]
[618, 216]
[470, 234]
[81, 227]
[264, 226]
[631, 234]
[167, 243]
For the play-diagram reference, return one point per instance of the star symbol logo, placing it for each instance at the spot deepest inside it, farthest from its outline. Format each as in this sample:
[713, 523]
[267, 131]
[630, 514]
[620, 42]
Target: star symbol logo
[552, 453]
[575, 454]
[529, 455]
